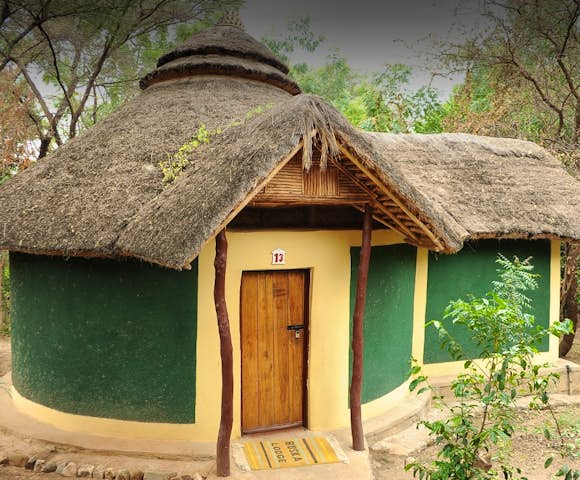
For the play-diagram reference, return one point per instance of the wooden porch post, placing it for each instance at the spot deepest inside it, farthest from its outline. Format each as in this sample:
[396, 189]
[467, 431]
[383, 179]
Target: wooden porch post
[358, 441]
[226, 352]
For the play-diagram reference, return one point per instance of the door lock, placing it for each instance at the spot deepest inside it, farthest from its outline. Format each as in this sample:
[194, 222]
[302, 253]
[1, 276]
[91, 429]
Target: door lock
[297, 330]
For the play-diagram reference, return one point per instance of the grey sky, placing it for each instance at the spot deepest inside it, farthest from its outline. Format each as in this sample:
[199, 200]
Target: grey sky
[370, 33]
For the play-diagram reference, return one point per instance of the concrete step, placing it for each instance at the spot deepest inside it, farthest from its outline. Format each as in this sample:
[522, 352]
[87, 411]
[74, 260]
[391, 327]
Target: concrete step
[401, 417]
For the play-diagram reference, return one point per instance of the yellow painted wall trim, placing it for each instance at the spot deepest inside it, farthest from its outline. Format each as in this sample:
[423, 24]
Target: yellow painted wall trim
[391, 400]
[109, 427]
[420, 304]
[326, 254]
[554, 294]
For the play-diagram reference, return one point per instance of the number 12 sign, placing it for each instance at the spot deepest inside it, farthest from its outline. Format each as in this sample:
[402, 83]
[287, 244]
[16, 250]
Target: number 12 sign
[278, 257]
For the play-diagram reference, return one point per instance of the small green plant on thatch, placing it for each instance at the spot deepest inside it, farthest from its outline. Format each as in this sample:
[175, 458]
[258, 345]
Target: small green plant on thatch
[474, 437]
[175, 164]
[258, 110]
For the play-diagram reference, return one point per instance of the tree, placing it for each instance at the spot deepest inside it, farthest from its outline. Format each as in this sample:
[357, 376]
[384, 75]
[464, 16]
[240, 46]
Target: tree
[16, 127]
[523, 81]
[379, 101]
[530, 49]
[89, 52]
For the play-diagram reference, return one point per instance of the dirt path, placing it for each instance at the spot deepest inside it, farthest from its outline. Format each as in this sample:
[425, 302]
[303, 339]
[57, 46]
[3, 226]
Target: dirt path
[14, 473]
[5, 363]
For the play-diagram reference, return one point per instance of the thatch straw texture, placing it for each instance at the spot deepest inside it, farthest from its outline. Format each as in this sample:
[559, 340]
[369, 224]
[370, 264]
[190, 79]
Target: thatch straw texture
[221, 177]
[436, 176]
[221, 65]
[102, 193]
[78, 200]
[487, 187]
[224, 40]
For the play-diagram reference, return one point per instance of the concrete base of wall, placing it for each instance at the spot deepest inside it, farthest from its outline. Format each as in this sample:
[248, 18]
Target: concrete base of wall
[398, 418]
[401, 416]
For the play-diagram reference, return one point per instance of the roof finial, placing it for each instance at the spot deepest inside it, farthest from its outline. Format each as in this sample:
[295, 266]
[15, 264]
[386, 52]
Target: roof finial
[231, 18]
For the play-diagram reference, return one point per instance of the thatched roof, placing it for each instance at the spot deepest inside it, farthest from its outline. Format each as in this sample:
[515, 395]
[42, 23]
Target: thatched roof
[221, 65]
[487, 187]
[225, 40]
[225, 49]
[79, 199]
[102, 193]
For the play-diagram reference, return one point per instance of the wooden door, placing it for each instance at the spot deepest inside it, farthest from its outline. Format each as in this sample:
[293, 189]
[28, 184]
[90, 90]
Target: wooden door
[273, 343]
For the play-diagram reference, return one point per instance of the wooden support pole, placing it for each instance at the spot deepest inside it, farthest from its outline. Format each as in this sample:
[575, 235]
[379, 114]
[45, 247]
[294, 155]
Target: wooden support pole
[226, 352]
[358, 441]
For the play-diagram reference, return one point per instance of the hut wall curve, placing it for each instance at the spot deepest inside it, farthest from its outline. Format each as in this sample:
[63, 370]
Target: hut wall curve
[388, 321]
[470, 272]
[105, 339]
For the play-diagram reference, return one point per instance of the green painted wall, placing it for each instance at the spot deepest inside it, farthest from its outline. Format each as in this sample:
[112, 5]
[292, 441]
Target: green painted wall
[388, 322]
[104, 338]
[471, 271]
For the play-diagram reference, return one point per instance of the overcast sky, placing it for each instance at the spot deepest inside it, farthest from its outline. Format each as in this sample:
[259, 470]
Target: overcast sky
[370, 33]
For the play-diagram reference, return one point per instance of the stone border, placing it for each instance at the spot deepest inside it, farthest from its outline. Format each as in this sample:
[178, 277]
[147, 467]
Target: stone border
[86, 470]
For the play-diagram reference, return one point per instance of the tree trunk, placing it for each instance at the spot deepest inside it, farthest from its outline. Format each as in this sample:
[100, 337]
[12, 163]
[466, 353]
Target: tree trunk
[569, 296]
[226, 352]
[358, 441]
[44, 146]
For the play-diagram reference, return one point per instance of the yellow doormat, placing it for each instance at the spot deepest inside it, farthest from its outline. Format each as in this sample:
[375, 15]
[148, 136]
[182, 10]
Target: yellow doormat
[295, 452]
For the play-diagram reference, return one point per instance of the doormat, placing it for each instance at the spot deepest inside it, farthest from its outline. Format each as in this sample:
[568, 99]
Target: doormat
[295, 452]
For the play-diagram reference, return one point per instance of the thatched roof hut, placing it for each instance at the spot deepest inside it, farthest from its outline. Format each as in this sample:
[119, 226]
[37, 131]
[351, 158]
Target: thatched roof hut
[222, 114]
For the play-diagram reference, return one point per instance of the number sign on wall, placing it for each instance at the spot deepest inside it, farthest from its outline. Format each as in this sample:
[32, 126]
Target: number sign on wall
[278, 257]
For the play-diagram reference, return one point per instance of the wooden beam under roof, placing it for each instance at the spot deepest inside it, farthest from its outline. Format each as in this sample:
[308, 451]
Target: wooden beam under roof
[365, 176]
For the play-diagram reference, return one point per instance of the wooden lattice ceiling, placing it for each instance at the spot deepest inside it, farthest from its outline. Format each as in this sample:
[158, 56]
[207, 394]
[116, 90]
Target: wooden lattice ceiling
[345, 181]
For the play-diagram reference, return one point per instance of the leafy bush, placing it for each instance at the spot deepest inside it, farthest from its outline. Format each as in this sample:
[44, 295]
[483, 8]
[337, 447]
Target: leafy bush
[481, 420]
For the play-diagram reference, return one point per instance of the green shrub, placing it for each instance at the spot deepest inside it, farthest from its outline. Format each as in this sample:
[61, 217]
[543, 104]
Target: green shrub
[481, 418]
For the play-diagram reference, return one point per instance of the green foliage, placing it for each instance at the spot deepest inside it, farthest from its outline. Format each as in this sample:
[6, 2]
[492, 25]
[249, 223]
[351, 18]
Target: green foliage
[391, 106]
[174, 165]
[177, 162]
[569, 432]
[379, 101]
[522, 75]
[91, 53]
[133, 60]
[299, 35]
[480, 422]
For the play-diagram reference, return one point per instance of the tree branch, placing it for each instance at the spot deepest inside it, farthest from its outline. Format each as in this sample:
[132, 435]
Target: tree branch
[42, 102]
[56, 67]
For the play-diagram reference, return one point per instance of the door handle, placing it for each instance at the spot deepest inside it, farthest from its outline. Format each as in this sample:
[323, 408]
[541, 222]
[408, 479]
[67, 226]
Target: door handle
[295, 327]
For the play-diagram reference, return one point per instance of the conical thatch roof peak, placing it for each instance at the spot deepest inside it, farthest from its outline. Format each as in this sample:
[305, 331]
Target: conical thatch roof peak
[231, 18]
[224, 49]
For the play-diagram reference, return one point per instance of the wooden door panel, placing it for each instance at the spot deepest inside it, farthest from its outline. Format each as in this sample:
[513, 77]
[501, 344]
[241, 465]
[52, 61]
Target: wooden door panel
[273, 368]
[249, 312]
[280, 347]
[266, 355]
[296, 304]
